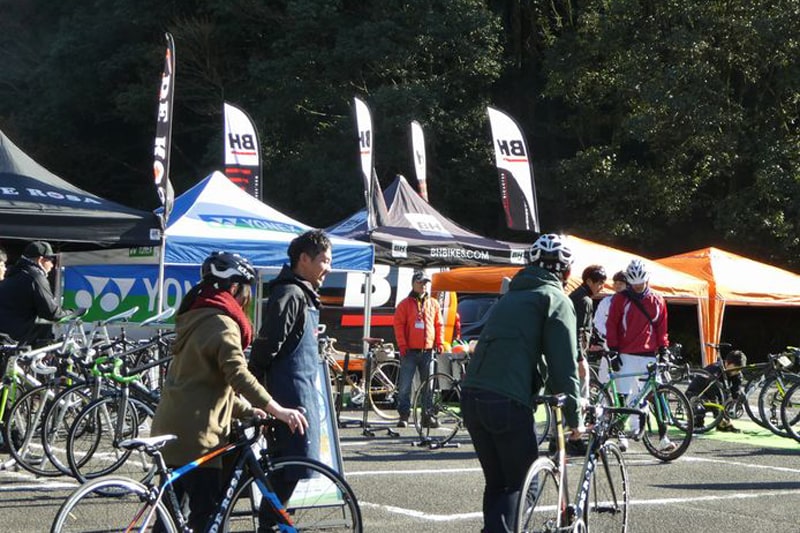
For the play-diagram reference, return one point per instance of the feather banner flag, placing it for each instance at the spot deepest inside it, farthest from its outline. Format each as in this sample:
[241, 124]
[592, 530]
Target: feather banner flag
[163, 141]
[420, 165]
[242, 150]
[517, 189]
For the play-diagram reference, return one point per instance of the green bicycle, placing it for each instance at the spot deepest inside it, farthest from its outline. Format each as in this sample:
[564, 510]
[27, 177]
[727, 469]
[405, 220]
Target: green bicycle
[668, 426]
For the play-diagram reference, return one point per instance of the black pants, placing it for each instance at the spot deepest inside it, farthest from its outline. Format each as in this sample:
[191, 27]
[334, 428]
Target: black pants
[502, 432]
[199, 489]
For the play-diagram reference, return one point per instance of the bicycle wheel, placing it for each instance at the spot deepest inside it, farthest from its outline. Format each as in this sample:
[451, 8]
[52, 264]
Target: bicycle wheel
[23, 430]
[91, 509]
[669, 423]
[436, 409]
[92, 443]
[383, 389]
[770, 399]
[60, 416]
[606, 508]
[790, 412]
[710, 406]
[322, 499]
[750, 401]
[538, 509]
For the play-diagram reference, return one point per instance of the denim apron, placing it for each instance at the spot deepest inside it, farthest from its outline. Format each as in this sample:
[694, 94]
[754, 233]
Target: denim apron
[292, 381]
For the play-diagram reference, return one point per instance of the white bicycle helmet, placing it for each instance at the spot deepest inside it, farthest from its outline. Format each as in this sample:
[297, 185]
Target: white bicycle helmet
[637, 273]
[550, 251]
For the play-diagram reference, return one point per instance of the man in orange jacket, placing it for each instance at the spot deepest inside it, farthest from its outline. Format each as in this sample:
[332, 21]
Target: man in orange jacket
[418, 330]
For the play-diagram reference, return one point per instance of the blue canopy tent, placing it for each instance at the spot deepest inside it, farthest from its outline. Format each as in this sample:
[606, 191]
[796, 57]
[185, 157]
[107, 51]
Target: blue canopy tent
[213, 215]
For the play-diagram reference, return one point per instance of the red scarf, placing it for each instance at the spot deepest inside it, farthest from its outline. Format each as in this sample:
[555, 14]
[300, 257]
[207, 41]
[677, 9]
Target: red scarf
[223, 300]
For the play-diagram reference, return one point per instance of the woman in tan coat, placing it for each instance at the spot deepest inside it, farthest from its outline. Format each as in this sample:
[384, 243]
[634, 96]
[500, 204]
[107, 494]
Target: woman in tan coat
[208, 382]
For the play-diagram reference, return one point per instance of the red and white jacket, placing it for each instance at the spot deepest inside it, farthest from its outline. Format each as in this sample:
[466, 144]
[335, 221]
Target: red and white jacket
[627, 328]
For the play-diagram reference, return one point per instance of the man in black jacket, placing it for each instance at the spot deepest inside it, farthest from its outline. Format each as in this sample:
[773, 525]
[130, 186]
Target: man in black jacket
[25, 295]
[594, 276]
[285, 356]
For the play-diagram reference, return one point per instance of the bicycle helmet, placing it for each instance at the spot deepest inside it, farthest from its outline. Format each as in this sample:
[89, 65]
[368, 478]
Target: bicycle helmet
[228, 267]
[550, 251]
[636, 272]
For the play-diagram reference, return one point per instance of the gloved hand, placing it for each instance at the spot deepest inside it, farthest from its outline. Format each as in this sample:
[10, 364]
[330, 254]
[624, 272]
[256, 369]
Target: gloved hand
[663, 354]
[614, 360]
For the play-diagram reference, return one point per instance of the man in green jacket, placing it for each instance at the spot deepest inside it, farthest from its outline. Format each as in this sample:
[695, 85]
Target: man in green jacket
[528, 342]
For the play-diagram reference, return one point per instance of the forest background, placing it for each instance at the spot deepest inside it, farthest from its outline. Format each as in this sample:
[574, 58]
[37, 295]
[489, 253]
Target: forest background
[657, 127]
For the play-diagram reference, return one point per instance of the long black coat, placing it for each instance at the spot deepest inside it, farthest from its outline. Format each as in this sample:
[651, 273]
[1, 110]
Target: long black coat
[25, 295]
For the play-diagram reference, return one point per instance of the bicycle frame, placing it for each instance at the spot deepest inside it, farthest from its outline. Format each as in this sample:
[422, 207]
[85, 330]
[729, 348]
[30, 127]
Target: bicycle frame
[650, 385]
[246, 461]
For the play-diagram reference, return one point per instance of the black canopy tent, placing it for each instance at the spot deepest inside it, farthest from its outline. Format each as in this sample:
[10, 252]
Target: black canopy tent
[37, 204]
[415, 234]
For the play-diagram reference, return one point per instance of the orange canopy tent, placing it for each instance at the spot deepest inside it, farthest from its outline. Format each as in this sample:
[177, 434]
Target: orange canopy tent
[735, 280]
[674, 285]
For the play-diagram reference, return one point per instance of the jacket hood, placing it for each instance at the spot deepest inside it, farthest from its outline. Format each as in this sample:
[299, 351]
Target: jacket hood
[533, 276]
[288, 277]
[25, 265]
[189, 322]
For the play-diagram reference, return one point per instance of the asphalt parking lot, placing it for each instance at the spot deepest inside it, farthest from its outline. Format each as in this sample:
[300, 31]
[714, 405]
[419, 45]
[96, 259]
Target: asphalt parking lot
[725, 482]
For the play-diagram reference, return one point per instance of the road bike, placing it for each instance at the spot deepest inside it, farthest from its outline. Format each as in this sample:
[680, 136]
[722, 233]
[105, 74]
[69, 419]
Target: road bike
[669, 422]
[775, 389]
[602, 497]
[436, 405]
[348, 371]
[321, 501]
[715, 401]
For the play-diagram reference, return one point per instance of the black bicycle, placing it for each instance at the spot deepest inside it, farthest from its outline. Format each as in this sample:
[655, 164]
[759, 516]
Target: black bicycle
[322, 499]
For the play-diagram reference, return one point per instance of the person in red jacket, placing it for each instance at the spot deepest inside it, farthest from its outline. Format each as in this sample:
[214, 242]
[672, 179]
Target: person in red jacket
[418, 331]
[636, 330]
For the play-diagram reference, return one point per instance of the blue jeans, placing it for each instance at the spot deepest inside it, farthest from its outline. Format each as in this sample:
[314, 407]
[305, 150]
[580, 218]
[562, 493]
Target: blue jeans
[412, 361]
[503, 434]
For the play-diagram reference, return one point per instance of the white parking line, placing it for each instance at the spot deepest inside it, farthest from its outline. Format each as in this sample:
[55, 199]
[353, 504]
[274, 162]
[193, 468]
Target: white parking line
[742, 465]
[660, 501]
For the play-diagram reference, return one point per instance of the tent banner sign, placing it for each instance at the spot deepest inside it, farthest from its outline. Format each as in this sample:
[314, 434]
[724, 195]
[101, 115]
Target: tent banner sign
[18, 188]
[106, 290]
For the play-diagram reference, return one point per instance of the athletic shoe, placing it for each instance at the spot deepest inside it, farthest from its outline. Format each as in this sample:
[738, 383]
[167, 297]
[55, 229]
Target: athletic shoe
[403, 422]
[728, 428]
[430, 422]
[622, 442]
[667, 446]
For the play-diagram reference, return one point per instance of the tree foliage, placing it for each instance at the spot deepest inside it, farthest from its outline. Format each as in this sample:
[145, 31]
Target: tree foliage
[662, 126]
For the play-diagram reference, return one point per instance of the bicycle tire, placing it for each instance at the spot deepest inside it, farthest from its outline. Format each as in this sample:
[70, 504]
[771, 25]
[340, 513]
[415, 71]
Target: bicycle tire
[750, 401]
[770, 399]
[91, 445]
[538, 510]
[383, 389]
[322, 500]
[22, 431]
[609, 498]
[669, 410]
[444, 409]
[790, 412]
[91, 508]
[59, 418]
[711, 403]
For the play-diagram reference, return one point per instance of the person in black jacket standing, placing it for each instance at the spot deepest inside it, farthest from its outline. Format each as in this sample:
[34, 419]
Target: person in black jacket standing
[593, 278]
[25, 295]
[285, 356]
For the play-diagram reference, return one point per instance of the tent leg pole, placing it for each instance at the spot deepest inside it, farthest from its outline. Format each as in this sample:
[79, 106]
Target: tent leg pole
[367, 405]
[160, 293]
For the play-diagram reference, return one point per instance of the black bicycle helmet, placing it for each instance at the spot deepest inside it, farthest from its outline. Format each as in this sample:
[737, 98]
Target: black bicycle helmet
[228, 267]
